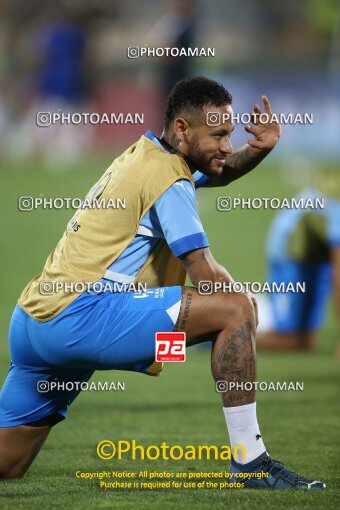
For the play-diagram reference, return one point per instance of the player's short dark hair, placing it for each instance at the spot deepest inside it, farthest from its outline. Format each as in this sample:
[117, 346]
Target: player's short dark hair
[194, 93]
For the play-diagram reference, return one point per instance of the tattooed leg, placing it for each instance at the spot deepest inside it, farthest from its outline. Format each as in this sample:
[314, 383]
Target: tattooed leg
[230, 321]
[184, 312]
[234, 360]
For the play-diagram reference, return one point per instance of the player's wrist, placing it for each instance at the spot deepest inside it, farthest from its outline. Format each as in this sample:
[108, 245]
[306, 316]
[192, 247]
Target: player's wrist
[259, 152]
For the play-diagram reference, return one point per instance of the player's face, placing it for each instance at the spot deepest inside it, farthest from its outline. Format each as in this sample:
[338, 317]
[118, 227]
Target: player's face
[208, 145]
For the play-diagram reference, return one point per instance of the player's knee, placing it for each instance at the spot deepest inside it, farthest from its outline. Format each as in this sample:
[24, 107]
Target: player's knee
[239, 305]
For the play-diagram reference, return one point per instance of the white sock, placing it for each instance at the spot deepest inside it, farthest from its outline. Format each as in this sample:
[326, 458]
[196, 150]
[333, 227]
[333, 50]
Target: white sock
[244, 431]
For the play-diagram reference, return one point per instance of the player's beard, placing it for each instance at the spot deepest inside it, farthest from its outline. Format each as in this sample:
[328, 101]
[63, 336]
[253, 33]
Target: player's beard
[199, 160]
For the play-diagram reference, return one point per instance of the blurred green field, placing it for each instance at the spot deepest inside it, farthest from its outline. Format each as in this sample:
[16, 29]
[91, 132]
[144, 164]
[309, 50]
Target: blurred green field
[180, 407]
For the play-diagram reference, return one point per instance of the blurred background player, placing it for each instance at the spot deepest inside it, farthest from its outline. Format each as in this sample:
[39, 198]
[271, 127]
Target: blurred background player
[59, 81]
[176, 28]
[303, 245]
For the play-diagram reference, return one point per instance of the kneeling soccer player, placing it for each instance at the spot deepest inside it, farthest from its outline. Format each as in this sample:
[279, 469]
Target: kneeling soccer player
[303, 246]
[156, 239]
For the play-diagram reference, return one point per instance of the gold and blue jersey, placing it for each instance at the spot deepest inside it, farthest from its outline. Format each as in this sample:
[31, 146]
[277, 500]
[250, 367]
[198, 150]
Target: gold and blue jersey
[96, 238]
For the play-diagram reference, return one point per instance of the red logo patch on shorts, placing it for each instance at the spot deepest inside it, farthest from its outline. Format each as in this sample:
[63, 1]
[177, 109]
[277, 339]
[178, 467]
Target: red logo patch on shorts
[170, 346]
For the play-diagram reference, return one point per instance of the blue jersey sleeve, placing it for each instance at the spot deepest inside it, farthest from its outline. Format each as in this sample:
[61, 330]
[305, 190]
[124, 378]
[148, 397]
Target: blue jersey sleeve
[179, 220]
[200, 179]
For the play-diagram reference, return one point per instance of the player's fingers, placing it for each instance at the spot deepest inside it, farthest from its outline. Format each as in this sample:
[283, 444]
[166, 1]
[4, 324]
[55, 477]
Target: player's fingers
[254, 117]
[255, 114]
[250, 129]
[256, 144]
[266, 105]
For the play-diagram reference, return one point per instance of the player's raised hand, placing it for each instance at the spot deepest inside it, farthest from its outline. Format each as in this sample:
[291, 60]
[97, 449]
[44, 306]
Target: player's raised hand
[265, 129]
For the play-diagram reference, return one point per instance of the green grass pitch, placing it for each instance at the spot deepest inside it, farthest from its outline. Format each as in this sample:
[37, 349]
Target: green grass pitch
[180, 407]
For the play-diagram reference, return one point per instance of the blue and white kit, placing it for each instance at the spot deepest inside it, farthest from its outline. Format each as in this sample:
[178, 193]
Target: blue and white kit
[104, 330]
[296, 312]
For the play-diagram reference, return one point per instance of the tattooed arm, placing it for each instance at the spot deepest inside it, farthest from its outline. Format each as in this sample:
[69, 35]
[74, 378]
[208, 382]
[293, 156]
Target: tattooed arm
[266, 132]
[238, 164]
[201, 265]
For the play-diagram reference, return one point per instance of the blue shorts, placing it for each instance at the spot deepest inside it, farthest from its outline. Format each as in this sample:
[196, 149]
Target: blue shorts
[298, 311]
[96, 332]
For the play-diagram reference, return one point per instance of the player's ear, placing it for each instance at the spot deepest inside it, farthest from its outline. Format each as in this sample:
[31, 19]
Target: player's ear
[181, 126]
